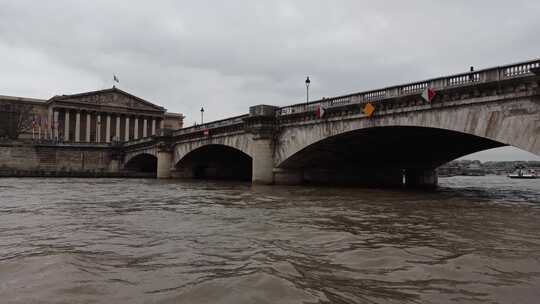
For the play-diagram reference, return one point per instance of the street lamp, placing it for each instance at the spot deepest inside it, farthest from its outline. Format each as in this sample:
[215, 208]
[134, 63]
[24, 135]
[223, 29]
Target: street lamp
[202, 115]
[307, 90]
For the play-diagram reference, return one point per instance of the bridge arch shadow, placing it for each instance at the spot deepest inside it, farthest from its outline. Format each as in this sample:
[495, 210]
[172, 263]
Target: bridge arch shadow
[382, 155]
[144, 165]
[214, 161]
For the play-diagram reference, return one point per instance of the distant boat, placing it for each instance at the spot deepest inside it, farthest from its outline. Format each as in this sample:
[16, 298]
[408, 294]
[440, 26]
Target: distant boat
[522, 172]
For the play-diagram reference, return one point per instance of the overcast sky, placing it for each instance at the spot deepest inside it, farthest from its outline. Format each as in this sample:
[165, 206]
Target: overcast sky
[228, 55]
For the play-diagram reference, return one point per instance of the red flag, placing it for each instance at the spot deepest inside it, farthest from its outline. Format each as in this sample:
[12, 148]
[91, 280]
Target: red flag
[428, 94]
[319, 112]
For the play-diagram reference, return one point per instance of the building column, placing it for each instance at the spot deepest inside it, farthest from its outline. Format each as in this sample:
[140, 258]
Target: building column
[153, 126]
[78, 126]
[117, 135]
[55, 123]
[88, 126]
[50, 125]
[127, 129]
[136, 128]
[98, 128]
[66, 125]
[145, 128]
[162, 124]
[108, 129]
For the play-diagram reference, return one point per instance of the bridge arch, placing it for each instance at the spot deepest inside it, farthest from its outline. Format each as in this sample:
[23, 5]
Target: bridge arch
[382, 149]
[489, 124]
[387, 150]
[144, 164]
[215, 161]
[239, 142]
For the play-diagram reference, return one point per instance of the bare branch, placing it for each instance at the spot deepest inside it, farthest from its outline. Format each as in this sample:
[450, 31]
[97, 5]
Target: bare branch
[15, 119]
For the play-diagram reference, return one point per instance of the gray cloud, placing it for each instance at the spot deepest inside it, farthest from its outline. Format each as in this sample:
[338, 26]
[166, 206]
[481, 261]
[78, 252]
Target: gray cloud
[228, 55]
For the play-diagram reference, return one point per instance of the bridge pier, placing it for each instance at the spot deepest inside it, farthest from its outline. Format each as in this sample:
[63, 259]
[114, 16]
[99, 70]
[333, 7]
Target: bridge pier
[362, 177]
[288, 177]
[263, 161]
[164, 160]
[164, 164]
[261, 123]
[114, 166]
[421, 178]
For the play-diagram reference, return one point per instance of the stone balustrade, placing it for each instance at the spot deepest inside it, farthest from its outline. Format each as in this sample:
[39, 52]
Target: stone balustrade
[237, 120]
[376, 96]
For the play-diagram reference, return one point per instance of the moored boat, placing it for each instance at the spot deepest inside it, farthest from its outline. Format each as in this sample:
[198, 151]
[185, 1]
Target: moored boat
[523, 173]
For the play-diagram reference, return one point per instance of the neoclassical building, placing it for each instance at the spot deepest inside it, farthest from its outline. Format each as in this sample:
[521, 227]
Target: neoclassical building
[96, 117]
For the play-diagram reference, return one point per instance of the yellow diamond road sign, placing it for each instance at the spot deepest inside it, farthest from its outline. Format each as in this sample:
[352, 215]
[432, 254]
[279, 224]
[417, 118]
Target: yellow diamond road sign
[368, 109]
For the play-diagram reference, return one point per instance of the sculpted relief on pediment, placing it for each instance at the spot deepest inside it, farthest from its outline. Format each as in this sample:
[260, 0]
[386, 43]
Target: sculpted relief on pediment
[114, 99]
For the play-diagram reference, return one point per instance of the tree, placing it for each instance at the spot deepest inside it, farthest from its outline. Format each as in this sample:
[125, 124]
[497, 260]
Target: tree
[15, 119]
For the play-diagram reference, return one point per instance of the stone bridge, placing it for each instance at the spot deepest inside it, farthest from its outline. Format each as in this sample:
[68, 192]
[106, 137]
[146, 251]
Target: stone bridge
[405, 138]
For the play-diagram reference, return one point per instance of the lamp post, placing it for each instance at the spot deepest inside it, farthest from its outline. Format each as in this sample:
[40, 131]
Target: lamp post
[307, 90]
[202, 115]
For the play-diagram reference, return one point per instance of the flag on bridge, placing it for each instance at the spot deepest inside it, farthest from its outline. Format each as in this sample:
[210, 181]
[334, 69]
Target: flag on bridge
[319, 112]
[368, 109]
[428, 94]
[206, 132]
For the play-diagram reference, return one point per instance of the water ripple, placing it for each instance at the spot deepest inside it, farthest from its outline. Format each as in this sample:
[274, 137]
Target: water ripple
[473, 240]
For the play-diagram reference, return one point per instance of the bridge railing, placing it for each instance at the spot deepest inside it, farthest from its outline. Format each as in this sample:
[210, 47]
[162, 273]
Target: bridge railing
[138, 141]
[59, 143]
[211, 125]
[456, 80]
[380, 95]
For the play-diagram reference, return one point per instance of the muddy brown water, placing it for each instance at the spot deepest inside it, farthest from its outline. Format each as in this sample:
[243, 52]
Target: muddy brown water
[474, 240]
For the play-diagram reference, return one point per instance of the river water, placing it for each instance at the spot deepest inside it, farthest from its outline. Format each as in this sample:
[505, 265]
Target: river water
[474, 240]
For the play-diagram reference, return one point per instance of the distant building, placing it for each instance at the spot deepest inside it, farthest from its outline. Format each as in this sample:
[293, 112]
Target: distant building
[98, 117]
[475, 168]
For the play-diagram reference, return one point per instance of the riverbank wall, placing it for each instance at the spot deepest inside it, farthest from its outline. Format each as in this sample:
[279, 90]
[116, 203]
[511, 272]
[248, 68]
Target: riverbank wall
[40, 159]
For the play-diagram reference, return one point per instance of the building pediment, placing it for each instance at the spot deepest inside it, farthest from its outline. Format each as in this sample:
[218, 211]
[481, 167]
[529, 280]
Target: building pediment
[114, 98]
